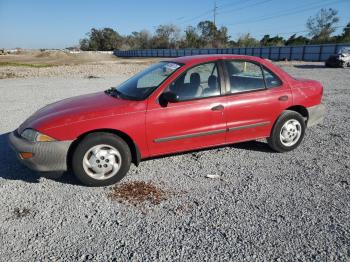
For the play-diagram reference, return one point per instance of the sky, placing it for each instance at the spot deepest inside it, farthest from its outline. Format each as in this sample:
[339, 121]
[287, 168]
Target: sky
[62, 23]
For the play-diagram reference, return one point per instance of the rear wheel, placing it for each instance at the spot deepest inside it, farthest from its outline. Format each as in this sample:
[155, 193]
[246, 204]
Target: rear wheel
[101, 159]
[288, 132]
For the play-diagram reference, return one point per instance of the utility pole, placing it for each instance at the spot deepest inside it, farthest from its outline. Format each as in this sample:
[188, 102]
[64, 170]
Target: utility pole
[214, 22]
[214, 12]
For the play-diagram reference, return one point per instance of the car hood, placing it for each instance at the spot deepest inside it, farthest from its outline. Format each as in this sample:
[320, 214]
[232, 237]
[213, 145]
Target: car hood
[80, 108]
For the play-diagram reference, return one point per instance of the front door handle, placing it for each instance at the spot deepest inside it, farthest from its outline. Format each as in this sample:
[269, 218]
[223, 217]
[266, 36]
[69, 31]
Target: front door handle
[217, 108]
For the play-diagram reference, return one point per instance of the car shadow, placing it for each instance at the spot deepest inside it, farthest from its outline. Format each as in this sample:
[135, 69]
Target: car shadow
[250, 145]
[254, 146]
[310, 66]
[12, 169]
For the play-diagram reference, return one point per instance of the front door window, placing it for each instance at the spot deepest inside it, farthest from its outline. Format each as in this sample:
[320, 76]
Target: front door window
[198, 82]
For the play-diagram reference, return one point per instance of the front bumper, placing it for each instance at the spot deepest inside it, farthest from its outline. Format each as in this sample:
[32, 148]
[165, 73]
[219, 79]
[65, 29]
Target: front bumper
[47, 156]
[316, 114]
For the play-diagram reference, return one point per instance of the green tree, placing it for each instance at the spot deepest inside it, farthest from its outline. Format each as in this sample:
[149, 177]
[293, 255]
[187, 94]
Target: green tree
[247, 40]
[345, 37]
[222, 38]
[192, 38]
[138, 40]
[272, 41]
[84, 44]
[322, 25]
[207, 31]
[294, 40]
[211, 35]
[105, 39]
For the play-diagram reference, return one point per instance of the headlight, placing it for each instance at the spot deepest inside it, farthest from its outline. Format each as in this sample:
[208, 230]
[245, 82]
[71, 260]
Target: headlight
[35, 136]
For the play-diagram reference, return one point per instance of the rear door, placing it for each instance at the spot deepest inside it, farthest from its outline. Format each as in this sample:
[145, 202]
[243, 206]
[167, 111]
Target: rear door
[197, 120]
[256, 97]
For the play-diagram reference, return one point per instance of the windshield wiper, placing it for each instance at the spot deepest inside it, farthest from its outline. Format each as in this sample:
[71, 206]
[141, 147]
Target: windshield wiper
[114, 92]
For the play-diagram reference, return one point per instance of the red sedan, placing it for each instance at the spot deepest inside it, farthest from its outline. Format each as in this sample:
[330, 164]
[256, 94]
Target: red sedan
[177, 105]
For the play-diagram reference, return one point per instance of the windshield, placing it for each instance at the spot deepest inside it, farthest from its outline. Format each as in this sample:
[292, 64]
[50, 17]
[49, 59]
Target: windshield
[142, 84]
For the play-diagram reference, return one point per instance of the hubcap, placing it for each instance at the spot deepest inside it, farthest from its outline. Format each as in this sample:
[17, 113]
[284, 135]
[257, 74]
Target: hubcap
[102, 162]
[290, 132]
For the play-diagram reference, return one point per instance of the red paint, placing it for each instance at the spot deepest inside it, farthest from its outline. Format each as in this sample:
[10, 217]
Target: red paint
[144, 121]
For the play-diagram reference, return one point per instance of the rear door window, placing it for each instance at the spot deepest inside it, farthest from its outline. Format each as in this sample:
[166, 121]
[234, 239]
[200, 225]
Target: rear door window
[244, 76]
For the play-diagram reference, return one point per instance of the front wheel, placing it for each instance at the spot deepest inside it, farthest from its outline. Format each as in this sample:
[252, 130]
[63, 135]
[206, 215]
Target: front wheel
[288, 132]
[101, 159]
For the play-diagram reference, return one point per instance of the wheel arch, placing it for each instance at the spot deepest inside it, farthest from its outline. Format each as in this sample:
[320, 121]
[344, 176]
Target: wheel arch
[135, 152]
[302, 110]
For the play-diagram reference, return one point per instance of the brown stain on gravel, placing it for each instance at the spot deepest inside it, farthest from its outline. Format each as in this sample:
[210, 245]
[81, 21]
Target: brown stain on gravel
[21, 212]
[137, 192]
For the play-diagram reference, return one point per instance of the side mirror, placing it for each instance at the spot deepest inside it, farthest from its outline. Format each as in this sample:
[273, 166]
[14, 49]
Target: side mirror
[168, 97]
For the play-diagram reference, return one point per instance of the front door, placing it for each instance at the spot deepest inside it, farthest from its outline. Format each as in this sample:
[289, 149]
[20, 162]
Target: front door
[197, 120]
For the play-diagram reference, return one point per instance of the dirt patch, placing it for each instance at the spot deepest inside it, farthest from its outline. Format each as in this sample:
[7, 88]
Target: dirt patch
[4, 75]
[137, 192]
[55, 55]
[92, 77]
[21, 212]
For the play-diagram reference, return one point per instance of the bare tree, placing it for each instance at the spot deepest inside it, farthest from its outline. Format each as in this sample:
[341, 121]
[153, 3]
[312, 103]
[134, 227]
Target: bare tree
[167, 36]
[323, 24]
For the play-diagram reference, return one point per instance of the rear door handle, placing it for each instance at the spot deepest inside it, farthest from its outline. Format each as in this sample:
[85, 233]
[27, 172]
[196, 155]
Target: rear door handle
[283, 98]
[217, 108]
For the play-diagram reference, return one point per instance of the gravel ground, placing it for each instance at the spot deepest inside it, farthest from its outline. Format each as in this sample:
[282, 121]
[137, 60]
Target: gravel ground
[264, 207]
[105, 69]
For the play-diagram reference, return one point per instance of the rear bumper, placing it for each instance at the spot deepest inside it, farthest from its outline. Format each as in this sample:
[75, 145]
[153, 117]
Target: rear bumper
[47, 156]
[316, 114]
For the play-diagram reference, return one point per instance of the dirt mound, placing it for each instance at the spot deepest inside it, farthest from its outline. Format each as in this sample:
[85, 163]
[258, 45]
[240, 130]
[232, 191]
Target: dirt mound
[54, 55]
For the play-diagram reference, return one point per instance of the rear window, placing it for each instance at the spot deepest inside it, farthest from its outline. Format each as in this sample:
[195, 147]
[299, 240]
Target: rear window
[271, 79]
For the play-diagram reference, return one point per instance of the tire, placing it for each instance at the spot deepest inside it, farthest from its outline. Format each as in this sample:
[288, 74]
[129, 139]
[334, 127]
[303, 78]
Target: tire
[283, 138]
[101, 159]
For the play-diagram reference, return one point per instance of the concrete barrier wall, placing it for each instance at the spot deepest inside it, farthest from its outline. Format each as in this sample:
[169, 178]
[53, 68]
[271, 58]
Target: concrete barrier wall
[299, 53]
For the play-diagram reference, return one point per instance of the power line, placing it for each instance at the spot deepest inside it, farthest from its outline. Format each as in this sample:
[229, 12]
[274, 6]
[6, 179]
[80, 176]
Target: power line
[245, 7]
[301, 31]
[293, 11]
[286, 13]
[206, 13]
[239, 2]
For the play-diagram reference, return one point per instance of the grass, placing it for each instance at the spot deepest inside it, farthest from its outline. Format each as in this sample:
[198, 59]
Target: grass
[25, 65]
[7, 75]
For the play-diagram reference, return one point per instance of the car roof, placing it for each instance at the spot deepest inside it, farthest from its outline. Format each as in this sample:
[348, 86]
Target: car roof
[197, 59]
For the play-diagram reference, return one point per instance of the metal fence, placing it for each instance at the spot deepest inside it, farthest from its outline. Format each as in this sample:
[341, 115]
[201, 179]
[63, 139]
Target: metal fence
[300, 52]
